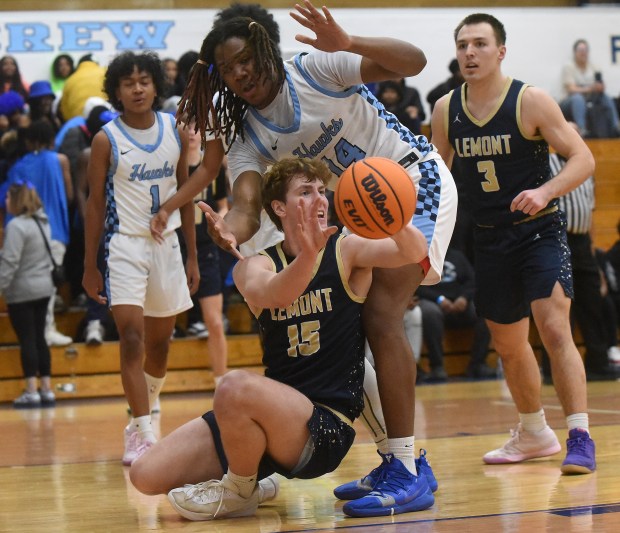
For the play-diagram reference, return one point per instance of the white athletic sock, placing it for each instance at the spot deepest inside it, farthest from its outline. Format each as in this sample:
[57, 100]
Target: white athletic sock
[153, 386]
[144, 426]
[403, 449]
[578, 421]
[372, 415]
[246, 484]
[533, 422]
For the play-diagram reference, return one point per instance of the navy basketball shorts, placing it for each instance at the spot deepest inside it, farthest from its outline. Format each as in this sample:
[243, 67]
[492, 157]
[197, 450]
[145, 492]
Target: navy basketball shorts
[331, 438]
[518, 264]
[209, 268]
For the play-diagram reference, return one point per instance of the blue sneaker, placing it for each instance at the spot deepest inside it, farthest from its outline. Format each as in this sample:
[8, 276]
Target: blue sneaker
[396, 491]
[424, 469]
[360, 487]
[580, 453]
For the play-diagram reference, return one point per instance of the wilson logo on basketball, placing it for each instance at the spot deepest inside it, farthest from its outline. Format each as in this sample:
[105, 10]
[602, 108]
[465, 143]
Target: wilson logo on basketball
[375, 197]
[378, 198]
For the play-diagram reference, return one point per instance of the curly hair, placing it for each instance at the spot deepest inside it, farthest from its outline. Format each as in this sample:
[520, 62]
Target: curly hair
[225, 116]
[276, 180]
[123, 65]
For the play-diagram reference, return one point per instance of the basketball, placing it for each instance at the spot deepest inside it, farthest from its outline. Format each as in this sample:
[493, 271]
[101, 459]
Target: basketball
[375, 197]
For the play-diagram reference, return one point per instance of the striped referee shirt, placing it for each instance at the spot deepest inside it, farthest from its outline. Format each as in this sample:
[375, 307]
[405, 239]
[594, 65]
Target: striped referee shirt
[578, 204]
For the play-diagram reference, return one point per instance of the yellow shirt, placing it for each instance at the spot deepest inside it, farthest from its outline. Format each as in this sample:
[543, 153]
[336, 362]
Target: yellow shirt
[85, 82]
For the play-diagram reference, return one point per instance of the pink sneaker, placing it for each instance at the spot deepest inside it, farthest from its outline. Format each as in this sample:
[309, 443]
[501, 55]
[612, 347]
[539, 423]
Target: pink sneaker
[524, 445]
[132, 443]
[135, 446]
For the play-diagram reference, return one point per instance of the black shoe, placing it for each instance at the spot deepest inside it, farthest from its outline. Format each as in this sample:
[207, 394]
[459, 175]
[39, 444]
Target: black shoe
[482, 371]
[421, 376]
[437, 375]
[606, 373]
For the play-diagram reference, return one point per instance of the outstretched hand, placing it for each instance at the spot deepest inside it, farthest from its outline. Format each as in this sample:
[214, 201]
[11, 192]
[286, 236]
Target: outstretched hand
[311, 236]
[330, 37]
[219, 231]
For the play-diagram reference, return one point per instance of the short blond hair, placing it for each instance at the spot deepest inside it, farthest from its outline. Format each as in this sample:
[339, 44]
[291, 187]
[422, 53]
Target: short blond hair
[24, 199]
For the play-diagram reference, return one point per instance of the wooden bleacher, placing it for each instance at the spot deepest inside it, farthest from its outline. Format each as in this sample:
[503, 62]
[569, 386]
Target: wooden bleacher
[81, 371]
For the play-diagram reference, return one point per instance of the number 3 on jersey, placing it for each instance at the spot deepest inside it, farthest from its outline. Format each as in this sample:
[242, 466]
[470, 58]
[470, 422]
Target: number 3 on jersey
[490, 183]
[303, 339]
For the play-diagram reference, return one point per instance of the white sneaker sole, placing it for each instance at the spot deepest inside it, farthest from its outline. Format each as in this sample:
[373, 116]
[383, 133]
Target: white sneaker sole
[196, 517]
[500, 460]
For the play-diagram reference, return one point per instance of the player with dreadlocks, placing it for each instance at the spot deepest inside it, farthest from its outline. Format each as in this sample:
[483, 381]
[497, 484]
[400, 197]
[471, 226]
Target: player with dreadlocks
[316, 105]
[201, 108]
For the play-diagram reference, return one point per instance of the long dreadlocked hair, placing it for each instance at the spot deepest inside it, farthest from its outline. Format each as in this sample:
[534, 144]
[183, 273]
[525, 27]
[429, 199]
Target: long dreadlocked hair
[225, 117]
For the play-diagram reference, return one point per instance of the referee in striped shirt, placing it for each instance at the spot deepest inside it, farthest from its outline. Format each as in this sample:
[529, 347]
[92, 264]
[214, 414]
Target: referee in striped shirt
[588, 305]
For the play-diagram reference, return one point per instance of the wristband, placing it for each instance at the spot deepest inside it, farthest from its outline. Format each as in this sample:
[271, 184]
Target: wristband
[440, 299]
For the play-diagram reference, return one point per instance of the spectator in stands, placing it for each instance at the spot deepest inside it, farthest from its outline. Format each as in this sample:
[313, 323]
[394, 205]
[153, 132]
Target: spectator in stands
[86, 81]
[97, 323]
[402, 101]
[171, 73]
[10, 77]
[49, 173]
[588, 305]
[26, 284]
[584, 93]
[455, 80]
[449, 304]
[610, 290]
[612, 259]
[12, 118]
[11, 113]
[76, 140]
[40, 101]
[62, 67]
[185, 64]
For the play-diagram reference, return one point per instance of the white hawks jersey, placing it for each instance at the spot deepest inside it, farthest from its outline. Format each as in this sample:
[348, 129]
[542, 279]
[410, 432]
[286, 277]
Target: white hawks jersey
[327, 122]
[142, 175]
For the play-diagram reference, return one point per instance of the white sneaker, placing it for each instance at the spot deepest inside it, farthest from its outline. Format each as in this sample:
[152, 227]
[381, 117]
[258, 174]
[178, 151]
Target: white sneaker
[212, 499]
[198, 330]
[268, 488]
[613, 354]
[524, 445]
[27, 400]
[94, 333]
[53, 337]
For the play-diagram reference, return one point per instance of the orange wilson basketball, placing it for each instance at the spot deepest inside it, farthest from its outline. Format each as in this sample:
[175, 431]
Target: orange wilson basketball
[375, 197]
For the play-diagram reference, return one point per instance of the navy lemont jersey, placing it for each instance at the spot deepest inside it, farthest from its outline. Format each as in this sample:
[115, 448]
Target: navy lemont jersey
[142, 175]
[316, 345]
[496, 159]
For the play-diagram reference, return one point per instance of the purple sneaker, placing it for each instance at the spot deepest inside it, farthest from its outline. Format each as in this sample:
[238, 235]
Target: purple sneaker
[579, 453]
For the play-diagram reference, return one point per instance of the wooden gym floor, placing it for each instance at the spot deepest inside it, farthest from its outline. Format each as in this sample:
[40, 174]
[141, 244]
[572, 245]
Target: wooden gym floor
[60, 471]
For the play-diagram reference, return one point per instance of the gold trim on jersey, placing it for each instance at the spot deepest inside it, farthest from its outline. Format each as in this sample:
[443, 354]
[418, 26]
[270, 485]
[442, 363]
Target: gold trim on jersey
[546, 211]
[342, 417]
[343, 275]
[285, 263]
[489, 117]
[446, 114]
[520, 122]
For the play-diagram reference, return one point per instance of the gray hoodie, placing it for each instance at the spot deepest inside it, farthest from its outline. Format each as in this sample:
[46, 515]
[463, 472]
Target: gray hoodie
[25, 265]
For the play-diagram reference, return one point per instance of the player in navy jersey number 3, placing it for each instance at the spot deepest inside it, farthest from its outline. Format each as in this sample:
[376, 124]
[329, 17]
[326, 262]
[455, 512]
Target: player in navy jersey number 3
[500, 130]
